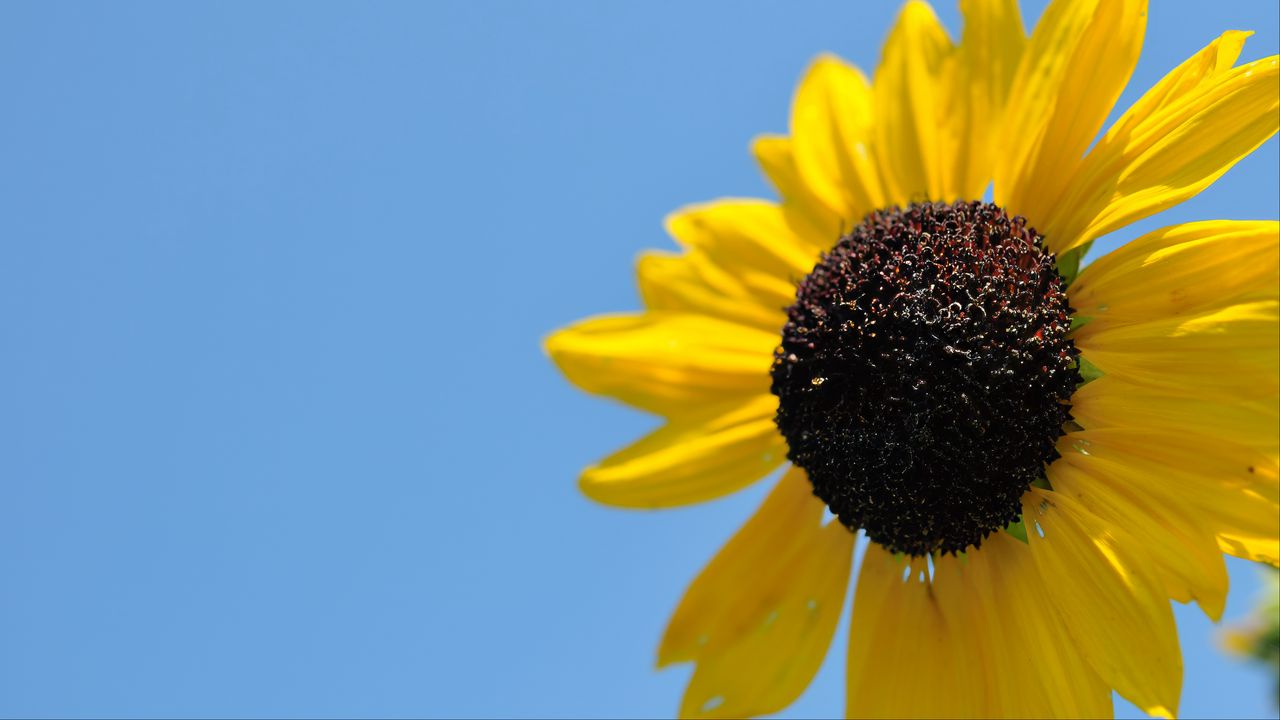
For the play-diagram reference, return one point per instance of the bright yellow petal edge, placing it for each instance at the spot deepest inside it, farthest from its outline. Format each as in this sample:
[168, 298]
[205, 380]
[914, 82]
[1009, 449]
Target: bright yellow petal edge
[1174, 458]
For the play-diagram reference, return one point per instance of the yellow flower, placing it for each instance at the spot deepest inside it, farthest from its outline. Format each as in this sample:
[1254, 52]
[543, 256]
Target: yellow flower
[1040, 458]
[1257, 637]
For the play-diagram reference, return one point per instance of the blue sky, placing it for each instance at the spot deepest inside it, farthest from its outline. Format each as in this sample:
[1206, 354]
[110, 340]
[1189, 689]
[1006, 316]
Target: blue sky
[280, 437]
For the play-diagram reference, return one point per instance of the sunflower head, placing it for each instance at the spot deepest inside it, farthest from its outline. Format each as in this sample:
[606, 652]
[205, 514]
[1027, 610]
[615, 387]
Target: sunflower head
[924, 372]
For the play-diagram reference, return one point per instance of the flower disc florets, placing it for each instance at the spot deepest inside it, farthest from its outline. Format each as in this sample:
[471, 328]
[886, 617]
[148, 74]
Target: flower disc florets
[924, 374]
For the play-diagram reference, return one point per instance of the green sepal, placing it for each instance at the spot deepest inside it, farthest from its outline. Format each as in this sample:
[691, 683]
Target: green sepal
[1088, 371]
[1069, 263]
[1017, 529]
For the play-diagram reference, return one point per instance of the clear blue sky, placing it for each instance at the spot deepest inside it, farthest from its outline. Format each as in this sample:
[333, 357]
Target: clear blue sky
[278, 435]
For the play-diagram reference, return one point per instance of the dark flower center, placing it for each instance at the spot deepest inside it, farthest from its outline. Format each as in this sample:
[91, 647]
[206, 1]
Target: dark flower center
[924, 374]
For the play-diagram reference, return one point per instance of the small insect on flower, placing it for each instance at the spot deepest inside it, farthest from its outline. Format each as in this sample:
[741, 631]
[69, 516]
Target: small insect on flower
[1040, 457]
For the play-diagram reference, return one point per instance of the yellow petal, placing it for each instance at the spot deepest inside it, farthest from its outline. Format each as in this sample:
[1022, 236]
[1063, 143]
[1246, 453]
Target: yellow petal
[1109, 402]
[1212, 61]
[1258, 548]
[984, 681]
[741, 264]
[1078, 60]
[700, 456]
[1161, 159]
[664, 362]
[1187, 309]
[898, 639]
[982, 634]
[1233, 350]
[831, 136]
[1014, 646]
[990, 48]
[1064, 679]
[1180, 270]
[1184, 555]
[759, 618]
[1118, 615]
[987, 663]
[911, 146]
[807, 214]
[752, 239]
[1226, 487]
[692, 283]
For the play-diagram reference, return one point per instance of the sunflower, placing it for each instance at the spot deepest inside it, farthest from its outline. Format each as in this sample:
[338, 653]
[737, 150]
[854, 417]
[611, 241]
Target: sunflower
[1039, 457]
[1258, 637]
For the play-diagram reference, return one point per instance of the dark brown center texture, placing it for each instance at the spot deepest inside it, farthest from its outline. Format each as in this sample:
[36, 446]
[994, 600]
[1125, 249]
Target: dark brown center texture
[924, 374]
